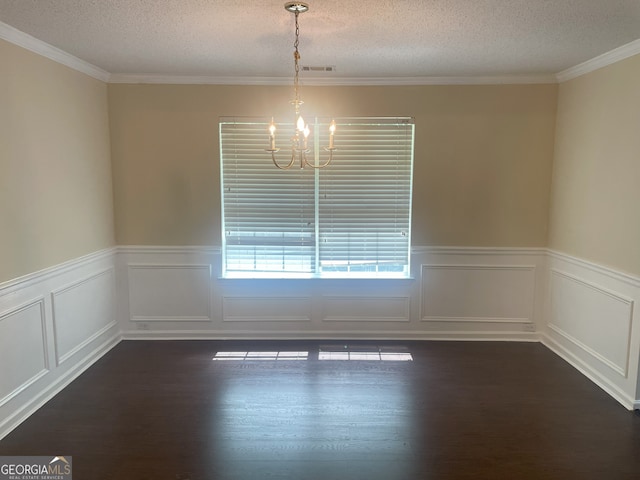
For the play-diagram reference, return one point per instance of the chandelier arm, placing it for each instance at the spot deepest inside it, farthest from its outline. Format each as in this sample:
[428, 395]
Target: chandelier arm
[330, 150]
[286, 167]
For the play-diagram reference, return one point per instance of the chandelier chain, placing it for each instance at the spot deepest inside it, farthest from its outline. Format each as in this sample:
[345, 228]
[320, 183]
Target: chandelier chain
[299, 146]
[296, 58]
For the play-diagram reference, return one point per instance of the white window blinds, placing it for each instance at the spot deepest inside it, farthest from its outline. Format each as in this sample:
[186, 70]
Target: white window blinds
[352, 218]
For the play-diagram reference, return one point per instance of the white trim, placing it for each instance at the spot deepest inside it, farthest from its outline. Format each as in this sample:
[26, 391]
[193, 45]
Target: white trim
[613, 56]
[24, 40]
[30, 408]
[399, 332]
[620, 371]
[589, 372]
[45, 351]
[180, 318]
[475, 319]
[478, 250]
[347, 319]
[406, 300]
[257, 319]
[526, 320]
[163, 250]
[593, 286]
[460, 266]
[416, 249]
[419, 249]
[608, 271]
[62, 359]
[172, 266]
[54, 271]
[81, 281]
[331, 81]
[329, 335]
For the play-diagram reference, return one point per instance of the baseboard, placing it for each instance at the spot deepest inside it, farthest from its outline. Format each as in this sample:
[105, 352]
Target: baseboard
[626, 401]
[330, 335]
[52, 390]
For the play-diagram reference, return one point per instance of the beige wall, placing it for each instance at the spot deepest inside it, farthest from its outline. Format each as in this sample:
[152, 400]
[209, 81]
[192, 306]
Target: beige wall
[596, 174]
[482, 160]
[55, 178]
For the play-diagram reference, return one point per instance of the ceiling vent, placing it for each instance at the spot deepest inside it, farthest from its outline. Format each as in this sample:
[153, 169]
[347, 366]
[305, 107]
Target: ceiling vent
[308, 68]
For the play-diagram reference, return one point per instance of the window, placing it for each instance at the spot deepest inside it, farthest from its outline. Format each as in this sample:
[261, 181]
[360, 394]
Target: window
[351, 219]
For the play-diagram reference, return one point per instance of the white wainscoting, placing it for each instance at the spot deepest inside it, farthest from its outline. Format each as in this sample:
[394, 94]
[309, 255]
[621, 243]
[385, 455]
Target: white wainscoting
[457, 293]
[53, 325]
[82, 312]
[266, 309]
[592, 323]
[27, 323]
[355, 308]
[478, 293]
[169, 292]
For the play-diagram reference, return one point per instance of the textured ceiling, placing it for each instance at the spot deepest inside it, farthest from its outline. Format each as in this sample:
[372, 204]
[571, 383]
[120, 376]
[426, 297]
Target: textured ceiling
[362, 39]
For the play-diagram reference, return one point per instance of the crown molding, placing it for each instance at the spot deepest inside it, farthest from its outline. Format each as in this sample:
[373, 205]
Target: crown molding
[143, 78]
[24, 40]
[331, 81]
[613, 56]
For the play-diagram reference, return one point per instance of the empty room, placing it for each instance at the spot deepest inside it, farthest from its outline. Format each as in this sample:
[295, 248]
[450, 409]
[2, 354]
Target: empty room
[320, 240]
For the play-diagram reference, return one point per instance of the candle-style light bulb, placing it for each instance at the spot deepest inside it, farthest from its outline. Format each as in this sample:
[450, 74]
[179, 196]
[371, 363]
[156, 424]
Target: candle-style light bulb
[272, 135]
[300, 124]
[306, 133]
[332, 129]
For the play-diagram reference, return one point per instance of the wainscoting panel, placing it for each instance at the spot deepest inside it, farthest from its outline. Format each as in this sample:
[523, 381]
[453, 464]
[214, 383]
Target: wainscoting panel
[592, 322]
[169, 293]
[593, 318]
[365, 309]
[266, 309]
[478, 293]
[22, 362]
[82, 312]
[54, 324]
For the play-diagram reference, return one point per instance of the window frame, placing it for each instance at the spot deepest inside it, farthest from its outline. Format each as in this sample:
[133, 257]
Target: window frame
[347, 142]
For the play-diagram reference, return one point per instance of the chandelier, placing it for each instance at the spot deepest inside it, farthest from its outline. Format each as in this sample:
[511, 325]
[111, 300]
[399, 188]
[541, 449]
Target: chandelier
[299, 140]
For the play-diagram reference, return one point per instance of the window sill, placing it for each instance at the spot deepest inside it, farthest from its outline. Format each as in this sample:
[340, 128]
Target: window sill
[271, 276]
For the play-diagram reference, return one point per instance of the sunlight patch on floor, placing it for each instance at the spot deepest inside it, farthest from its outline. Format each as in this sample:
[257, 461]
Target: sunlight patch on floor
[366, 356]
[255, 355]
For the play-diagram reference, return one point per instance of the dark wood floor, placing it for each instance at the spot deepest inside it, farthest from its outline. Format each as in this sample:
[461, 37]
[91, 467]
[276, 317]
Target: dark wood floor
[165, 410]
